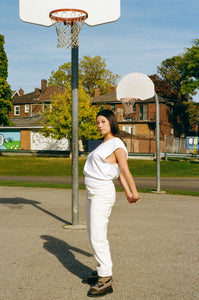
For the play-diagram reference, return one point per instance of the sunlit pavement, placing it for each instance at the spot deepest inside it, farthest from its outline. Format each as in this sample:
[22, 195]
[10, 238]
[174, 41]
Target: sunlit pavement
[154, 246]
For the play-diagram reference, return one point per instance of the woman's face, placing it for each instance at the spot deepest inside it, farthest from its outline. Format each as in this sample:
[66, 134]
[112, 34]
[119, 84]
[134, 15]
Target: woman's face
[103, 125]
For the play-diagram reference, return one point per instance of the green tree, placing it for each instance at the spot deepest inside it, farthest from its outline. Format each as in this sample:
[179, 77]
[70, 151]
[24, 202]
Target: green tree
[192, 110]
[180, 119]
[179, 115]
[5, 92]
[3, 59]
[182, 72]
[61, 77]
[170, 70]
[190, 69]
[93, 73]
[58, 120]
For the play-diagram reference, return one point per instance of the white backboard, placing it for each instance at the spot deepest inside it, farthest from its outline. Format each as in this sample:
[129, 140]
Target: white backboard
[135, 85]
[99, 11]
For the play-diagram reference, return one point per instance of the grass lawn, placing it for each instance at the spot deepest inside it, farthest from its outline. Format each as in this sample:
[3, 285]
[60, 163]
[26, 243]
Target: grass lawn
[69, 186]
[51, 166]
[55, 166]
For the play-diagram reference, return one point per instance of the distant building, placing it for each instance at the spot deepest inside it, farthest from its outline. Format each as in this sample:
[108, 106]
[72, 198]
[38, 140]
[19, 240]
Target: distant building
[26, 117]
[139, 118]
[137, 122]
[31, 104]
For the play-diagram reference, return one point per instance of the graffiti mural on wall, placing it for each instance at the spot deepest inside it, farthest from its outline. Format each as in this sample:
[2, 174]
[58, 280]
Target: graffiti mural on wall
[10, 140]
[40, 142]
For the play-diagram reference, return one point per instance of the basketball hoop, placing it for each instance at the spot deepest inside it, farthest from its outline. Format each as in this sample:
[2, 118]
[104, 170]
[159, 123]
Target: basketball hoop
[128, 104]
[68, 23]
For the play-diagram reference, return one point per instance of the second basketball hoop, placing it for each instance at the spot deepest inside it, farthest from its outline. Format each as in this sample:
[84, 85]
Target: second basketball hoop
[68, 23]
[128, 104]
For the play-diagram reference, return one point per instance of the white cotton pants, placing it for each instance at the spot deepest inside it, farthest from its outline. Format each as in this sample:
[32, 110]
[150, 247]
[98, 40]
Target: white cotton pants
[99, 203]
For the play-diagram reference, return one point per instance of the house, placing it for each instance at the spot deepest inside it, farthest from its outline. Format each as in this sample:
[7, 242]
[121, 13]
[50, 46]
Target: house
[31, 104]
[138, 117]
[26, 117]
[137, 122]
[15, 94]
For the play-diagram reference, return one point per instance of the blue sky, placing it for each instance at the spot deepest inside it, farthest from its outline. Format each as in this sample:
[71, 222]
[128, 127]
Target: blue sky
[148, 32]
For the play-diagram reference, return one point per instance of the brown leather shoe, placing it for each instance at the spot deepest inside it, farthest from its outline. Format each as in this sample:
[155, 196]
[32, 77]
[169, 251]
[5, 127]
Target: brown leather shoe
[91, 279]
[101, 288]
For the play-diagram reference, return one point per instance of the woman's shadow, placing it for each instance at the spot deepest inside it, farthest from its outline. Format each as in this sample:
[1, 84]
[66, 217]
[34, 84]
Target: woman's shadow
[18, 203]
[63, 253]
[59, 248]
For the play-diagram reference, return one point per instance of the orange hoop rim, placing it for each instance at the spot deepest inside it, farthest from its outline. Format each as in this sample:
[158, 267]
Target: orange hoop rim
[68, 19]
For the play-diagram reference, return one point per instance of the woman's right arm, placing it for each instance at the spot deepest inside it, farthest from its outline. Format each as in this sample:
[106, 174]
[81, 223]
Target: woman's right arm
[124, 184]
[125, 178]
[132, 198]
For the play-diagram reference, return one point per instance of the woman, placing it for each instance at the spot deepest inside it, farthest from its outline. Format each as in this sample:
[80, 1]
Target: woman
[107, 162]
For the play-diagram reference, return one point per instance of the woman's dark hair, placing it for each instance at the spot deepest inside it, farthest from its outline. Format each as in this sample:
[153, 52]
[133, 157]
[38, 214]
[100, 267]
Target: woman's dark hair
[109, 114]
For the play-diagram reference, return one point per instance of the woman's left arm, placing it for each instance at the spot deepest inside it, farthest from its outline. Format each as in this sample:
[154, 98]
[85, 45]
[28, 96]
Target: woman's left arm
[126, 175]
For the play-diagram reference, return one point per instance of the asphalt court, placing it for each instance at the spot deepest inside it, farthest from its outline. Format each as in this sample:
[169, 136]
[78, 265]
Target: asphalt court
[154, 246]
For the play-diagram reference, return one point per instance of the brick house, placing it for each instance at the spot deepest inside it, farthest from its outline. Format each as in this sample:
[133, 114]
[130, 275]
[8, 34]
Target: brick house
[26, 117]
[137, 125]
[138, 122]
[31, 104]
[140, 118]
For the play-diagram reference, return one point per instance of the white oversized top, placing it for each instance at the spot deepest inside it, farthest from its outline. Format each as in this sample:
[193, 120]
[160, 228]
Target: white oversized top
[97, 170]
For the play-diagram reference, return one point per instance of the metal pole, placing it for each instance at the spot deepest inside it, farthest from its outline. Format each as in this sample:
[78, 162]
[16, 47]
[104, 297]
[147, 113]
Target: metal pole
[157, 144]
[75, 137]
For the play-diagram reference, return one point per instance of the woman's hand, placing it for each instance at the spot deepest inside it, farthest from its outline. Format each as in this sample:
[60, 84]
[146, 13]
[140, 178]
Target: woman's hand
[133, 198]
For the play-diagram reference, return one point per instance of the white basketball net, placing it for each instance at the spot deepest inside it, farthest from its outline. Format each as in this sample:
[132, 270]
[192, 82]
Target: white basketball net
[128, 105]
[68, 27]
[68, 36]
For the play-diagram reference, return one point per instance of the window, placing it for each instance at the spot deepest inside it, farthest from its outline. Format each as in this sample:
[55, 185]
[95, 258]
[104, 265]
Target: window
[17, 110]
[27, 108]
[130, 129]
[127, 128]
[143, 112]
[46, 107]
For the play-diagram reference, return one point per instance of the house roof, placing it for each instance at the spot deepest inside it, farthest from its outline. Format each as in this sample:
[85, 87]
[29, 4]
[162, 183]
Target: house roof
[38, 96]
[27, 98]
[28, 122]
[111, 98]
[14, 93]
[49, 92]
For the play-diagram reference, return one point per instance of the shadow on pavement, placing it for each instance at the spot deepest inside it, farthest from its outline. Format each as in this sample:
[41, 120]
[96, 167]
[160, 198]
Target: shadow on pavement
[17, 203]
[63, 253]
